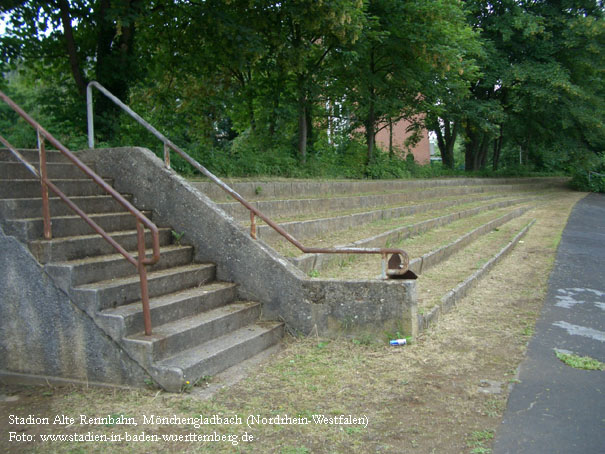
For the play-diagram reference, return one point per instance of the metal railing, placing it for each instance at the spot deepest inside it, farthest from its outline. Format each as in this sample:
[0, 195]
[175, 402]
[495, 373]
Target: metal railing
[591, 173]
[397, 264]
[141, 221]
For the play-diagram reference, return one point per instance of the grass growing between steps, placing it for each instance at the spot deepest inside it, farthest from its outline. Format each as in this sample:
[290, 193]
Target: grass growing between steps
[368, 267]
[377, 227]
[437, 281]
[307, 217]
[422, 398]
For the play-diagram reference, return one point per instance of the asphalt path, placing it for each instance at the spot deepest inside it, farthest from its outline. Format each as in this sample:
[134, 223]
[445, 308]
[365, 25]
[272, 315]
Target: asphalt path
[555, 408]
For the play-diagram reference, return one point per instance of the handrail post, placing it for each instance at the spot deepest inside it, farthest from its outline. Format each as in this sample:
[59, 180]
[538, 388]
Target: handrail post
[252, 225]
[89, 116]
[143, 278]
[43, 179]
[166, 155]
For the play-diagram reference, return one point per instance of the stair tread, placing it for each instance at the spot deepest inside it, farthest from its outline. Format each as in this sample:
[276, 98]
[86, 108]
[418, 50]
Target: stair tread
[93, 235]
[117, 256]
[186, 323]
[112, 283]
[170, 298]
[53, 198]
[147, 213]
[194, 355]
[53, 180]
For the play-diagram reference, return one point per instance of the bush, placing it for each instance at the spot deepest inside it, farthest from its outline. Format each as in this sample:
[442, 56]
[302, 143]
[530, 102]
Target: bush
[589, 175]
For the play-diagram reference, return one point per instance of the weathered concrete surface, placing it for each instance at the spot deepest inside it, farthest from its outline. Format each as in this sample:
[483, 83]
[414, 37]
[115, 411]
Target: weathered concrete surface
[316, 227]
[261, 274]
[312, 206]
[460, 291]
[259, 190]
[431, 259]
[43, 333]
[308, 262]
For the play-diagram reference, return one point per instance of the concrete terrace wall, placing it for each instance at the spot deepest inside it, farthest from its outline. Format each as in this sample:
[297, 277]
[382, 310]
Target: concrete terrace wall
[42, 333]
[312, 188]
[324, 306]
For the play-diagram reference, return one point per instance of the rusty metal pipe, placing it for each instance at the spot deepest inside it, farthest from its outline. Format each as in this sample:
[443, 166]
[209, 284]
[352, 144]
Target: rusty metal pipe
[91, 174]
[43, 179]
[253, 211]
[141, 220]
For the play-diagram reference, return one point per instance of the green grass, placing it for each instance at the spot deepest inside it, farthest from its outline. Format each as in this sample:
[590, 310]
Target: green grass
[477, 441]
[580, 362]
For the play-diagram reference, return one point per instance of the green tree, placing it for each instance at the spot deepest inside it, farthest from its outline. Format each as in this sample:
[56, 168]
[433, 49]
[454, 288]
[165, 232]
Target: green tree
[86, 39]
[541, 85]
[395, 69]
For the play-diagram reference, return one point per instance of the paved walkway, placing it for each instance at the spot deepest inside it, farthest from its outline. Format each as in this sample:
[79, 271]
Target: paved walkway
[556, 408]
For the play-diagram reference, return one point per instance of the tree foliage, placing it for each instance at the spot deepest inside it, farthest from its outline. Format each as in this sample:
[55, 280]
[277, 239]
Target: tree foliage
[513, 81]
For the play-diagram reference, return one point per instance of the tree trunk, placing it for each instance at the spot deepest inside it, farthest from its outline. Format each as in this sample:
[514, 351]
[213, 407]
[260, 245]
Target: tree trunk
[370, 132]
[309, 121]
[74, 62]
[470, 148]
[497, 150]
[302, 130]
[391, 151]
[484, 151]
[115, 65]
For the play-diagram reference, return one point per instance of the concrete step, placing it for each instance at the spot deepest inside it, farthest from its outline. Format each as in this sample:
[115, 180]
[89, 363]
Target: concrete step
[55, 170]
[457, 279]
[433, 258]
[32, 156]
[105, 267]
[172, 338]
[291, 189]
[308, 262]
[32, 207]
[317, 227]
[77, 247]
[296, 207]
[18, 189]
[116, 292]
[217, 355]
[128, 319]
[64, 226]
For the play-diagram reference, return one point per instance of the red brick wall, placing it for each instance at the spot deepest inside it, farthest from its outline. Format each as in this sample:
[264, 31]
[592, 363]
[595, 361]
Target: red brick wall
[422, 150]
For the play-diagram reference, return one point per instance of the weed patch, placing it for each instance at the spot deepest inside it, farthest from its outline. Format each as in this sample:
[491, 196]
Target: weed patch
[580, 362]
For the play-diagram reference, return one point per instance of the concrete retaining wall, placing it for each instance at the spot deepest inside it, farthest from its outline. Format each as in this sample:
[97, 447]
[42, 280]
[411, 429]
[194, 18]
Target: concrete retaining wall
[323, 306]
[42, 333]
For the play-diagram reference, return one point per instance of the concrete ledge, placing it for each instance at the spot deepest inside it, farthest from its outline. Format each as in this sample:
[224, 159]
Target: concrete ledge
[259, 190]
[262, 275]
[312, 206]
[315, 227]
[309, 262]
[437, 256]
[462, 289]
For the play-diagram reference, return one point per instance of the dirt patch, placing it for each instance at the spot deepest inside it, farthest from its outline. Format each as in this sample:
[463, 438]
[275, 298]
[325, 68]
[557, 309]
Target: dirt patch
[427, 397]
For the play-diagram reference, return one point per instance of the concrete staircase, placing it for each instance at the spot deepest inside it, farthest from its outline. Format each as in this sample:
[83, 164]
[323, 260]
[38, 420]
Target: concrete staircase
[199, 325]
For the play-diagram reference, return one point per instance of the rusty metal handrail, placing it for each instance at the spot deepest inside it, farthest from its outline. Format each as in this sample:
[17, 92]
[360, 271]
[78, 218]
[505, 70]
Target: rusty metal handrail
[141, 220]
[396, 267]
